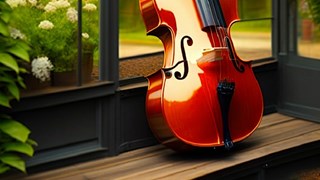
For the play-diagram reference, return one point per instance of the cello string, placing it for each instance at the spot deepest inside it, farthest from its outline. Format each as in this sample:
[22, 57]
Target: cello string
[214, 13]
[220, 34]
[210, 29]
[229, 46]
[207, 80]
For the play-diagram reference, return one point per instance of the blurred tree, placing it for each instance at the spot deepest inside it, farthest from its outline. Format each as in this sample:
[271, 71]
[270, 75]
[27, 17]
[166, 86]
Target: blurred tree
[253, 9]
[314, 8]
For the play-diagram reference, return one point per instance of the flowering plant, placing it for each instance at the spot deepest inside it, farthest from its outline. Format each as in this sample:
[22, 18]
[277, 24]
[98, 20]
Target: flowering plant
[50, 27]
[41, 67]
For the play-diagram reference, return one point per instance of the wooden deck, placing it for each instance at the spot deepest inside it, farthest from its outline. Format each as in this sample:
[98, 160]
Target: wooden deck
[282, 147]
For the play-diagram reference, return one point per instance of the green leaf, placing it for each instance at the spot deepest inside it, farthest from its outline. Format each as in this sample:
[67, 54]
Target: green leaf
[23, 70]
[9, 61]
[6, 9]
[13, 160]
[23, 44]
[14, 129]
[4, 30]
[18, 147]
[20, 52]
[7, 14]
[3, 168]
[4, 100]
[14, 90]
[21, 82]
[7, 78]
[5, 116]
[32, 142]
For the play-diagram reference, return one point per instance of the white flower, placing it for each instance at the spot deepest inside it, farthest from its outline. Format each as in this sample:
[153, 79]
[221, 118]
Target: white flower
[16, 33]
[46, 25]
[90, 7]
[16, 3]
[33, 2]
[85, 35]
[50, 8]
[56, 4]
[61, 3]
[41, 67]
[72, 15]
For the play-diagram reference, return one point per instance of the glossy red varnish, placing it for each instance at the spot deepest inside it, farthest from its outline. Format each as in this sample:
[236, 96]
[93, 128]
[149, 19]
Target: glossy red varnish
[186, 113]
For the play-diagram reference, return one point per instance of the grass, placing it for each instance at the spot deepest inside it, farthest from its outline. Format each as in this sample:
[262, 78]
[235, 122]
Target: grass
[140, 37]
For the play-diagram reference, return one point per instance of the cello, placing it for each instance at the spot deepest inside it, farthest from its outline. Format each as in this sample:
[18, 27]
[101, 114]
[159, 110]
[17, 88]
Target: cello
[204, 95]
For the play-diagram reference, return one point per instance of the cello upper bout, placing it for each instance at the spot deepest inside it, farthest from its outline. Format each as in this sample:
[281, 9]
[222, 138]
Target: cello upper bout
[230, 6]
[155, 19]
[150, 14]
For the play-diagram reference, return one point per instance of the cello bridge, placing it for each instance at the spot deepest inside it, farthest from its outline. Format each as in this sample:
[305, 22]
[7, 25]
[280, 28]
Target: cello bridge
[211, 55]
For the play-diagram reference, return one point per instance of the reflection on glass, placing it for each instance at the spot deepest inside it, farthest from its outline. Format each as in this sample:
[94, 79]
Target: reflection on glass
[134, 42]
[132, 33]
[252, 39]
[90, 41]
[309, 28]
[252, 35]
[50, 27]
[253, 9]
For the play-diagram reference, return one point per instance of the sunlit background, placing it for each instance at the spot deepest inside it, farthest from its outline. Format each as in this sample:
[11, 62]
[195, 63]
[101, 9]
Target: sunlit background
[251, 36]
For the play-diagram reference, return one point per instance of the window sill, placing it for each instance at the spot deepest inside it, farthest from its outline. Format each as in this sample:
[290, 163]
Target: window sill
[61, 95]
[61, 89]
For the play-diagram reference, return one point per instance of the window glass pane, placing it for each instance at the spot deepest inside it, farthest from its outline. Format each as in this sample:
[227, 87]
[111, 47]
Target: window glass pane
[252, 39]
[134, 42]
[90, 41]
[253, 9]
[309, 28]
[132, 32]
[51, 29]
[252, 34]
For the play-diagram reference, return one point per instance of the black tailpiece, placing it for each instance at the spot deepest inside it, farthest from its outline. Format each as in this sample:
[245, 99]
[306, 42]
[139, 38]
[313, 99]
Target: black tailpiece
[225, 92]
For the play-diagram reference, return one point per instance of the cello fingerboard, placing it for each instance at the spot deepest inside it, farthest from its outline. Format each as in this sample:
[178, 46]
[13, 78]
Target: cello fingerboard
[210, 13]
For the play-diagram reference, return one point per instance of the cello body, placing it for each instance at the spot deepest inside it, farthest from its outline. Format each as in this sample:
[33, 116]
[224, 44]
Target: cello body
[182, 103]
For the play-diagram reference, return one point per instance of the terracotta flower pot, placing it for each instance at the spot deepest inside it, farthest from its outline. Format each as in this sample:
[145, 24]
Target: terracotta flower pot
[69, 78]
[33, 83]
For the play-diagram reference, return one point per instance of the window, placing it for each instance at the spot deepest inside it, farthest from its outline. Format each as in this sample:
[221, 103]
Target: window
[51, 28]
[252, 34]
[251, 37]
[134, 43]
[308, 28]
[133, 39]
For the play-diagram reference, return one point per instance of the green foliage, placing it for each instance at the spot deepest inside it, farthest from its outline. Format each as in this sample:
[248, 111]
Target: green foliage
[14, 136]
[58, 43]
[131, 26]
[314, 7]
[253, 9]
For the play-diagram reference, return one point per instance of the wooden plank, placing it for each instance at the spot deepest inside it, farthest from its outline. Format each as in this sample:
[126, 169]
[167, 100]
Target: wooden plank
[279, 132]
[190, 170]
[102, 163]
[276, 133]
[273, 119]
[131, 167]
[249, 155]
[265, 137]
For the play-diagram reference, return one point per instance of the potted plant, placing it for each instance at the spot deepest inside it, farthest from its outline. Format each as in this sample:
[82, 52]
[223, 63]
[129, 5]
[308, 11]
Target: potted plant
[51, 28]
[14, 136]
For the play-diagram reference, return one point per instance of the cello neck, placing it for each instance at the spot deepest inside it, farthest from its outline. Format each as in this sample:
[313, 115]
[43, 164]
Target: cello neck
[210, 13]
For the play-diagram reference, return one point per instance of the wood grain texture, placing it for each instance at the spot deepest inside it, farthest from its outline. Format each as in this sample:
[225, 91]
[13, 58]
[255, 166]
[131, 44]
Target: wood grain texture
[277, 133]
